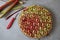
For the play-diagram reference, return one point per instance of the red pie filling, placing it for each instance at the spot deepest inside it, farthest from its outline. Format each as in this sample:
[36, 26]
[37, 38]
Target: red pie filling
[30, 22]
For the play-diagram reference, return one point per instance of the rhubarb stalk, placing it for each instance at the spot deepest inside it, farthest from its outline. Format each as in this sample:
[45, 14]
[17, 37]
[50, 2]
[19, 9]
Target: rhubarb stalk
[15, 12]
[8, 9]
[6, 4]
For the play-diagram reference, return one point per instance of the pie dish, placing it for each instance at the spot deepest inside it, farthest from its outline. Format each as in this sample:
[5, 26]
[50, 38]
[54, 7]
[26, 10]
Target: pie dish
[35, 21]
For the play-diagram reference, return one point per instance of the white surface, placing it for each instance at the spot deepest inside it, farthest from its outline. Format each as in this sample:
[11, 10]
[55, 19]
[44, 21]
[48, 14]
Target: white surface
[15, 33]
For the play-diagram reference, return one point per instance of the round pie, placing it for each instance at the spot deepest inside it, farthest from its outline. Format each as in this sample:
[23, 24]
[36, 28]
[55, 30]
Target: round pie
[35, 21]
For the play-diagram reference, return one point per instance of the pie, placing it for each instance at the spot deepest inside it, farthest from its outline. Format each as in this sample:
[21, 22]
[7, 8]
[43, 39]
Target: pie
[35, 21]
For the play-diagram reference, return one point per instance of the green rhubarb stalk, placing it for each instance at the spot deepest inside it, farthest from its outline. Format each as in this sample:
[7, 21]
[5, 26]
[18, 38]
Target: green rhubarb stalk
[8, 9]
[18, 6]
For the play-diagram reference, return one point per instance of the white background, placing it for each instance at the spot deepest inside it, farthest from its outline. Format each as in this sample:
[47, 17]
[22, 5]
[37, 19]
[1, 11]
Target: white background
[15, 33]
